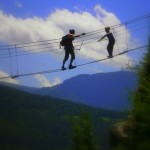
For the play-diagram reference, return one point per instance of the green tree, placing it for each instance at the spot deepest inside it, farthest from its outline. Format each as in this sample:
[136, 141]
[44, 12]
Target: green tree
[141, 106]
[82, 133]
[136, 127]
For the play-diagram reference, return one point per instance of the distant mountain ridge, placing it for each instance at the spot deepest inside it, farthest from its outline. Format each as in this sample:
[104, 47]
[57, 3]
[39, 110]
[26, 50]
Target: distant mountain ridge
[103, 90]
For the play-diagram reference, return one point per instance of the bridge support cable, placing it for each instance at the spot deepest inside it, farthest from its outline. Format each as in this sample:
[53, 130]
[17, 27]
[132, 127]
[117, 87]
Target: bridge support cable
[59, 70]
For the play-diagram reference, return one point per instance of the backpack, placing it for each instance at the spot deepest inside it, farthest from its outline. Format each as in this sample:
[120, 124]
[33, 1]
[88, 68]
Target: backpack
[64, 41]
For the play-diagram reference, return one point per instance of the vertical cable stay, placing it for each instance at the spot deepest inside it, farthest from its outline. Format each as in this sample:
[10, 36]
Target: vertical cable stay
[11, 72]
[10, 61]
[126, 36]
[116, 40]
[16, 59]
[80, 46]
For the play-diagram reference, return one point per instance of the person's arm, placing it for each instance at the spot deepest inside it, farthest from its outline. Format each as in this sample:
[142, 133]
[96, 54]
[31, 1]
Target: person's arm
[79, 35]
[102, 38]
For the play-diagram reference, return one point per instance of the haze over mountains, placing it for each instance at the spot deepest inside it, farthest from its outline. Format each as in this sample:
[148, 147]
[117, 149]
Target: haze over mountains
[103, 90]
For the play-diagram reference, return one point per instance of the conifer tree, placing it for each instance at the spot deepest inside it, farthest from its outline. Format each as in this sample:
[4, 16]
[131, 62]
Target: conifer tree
[141, 106]
[82, 133]
[137, 126]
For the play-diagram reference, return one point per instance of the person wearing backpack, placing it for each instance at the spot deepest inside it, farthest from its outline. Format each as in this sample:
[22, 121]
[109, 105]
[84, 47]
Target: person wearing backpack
[69, 48]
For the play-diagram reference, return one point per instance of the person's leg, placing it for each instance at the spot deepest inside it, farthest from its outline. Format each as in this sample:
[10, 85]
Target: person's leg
[72, 57]
[65, 59]
[110, 49]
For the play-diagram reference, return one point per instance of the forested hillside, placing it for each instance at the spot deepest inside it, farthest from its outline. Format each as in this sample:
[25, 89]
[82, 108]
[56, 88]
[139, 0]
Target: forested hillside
[32, 122]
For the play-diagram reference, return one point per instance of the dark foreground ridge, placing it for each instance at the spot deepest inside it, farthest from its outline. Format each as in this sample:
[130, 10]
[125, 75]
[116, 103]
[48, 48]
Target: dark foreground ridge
[39, 122]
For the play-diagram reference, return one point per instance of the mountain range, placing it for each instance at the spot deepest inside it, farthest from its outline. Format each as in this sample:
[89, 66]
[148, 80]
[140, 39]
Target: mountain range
[103, 90]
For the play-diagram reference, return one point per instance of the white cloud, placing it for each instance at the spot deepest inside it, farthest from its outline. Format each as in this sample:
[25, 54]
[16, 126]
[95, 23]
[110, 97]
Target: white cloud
[18, 30]
[9, 80]
[106, 18]
[45, 82]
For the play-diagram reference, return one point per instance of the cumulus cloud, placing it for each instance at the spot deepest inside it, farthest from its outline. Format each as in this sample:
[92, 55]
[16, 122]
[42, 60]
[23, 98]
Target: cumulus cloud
[17, 30]
[9, 80]
[45, 82]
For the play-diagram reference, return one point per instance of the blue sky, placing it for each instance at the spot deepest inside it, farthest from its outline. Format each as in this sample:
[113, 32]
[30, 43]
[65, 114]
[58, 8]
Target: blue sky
[124, 9]
[24, 21]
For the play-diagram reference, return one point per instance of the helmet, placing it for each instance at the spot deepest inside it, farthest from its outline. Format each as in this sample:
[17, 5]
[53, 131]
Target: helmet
[72, 31]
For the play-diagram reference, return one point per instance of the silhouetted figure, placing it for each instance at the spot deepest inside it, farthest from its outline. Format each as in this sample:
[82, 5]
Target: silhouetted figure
[111, 42]
[69, 48]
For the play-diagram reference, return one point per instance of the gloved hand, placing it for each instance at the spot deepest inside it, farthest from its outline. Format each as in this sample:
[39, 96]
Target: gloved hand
[83, 33]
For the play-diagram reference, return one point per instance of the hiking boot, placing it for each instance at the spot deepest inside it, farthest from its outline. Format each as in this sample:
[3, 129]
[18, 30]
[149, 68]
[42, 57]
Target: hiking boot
[71, 67]
[110, 56]
[63, 68]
